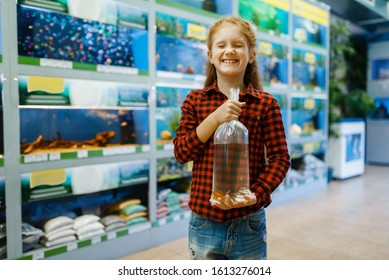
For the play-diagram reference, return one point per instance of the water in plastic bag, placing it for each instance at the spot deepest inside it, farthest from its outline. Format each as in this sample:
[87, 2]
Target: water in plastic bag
[231, 179]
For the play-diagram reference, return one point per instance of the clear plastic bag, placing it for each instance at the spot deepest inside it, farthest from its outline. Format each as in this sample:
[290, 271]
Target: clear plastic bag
[231, 178]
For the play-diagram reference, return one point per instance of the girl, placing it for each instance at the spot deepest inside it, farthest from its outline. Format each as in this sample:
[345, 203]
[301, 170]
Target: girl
[223, 231]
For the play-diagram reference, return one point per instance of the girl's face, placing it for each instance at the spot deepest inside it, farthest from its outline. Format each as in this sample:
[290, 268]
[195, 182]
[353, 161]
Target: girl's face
[229, 52]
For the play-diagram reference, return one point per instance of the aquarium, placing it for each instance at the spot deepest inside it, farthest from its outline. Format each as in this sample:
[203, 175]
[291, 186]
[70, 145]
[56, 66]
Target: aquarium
[168, 113]
[310, 24]
[381, 108]
[268, 16]
[273, 64]
[308, 117]
[222, 7]
[309, 71]
[178, 41]
[307, 161]
[380, 69]
[46, 34]
[45, 130]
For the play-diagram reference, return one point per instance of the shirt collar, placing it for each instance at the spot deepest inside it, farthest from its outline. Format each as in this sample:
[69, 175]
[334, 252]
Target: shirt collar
[249, 90]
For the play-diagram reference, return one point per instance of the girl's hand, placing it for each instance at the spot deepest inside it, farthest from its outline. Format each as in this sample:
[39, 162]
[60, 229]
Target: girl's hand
[229, 110]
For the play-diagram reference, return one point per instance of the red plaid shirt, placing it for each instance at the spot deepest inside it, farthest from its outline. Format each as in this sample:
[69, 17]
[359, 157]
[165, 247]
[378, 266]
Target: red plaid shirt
[261, 116]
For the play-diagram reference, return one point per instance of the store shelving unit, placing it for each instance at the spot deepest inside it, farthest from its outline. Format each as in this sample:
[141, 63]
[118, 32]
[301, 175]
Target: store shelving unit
[145, 89]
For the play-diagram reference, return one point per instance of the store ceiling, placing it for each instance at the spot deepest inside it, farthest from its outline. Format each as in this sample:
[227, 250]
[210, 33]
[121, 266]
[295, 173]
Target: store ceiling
[371, 18]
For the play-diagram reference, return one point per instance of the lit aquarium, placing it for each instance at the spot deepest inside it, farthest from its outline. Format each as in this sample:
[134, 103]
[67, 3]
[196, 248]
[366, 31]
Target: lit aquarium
[273, 64]
[56, 91]
[310, 24]
[222, 7]
[51, 183]
[45, 130]
[307, 161]
[380, 69]
[381, 108]
[268, 16]
[49, 34]
[168, 113]
[308, 117]
[178, 42]
[309, 71]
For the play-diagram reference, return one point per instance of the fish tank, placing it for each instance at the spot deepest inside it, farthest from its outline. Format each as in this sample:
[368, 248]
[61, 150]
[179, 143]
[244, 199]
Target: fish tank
[308, 117]
[381, 110]
[307, 161]
[178, 41]
[273, 64]
[221, 7]
[380, 69]
[270, 17]
[309, 71]
[73, 114]
[61, 130]
[55, 39]
[168, 114]
[310, 24]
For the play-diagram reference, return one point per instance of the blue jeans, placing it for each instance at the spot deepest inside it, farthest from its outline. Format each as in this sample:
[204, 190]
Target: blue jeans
[243, 238]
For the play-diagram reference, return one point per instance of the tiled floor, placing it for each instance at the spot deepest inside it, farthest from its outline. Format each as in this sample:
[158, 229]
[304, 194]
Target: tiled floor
[348, 220]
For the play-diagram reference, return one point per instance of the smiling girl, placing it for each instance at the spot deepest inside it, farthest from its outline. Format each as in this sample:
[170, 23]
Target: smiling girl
[225, 231]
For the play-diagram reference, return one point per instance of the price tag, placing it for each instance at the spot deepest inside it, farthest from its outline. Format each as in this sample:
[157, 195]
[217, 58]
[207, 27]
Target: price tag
[96, 239]
[146, 148]
[129, 150]
[35, 158]
[38, 255]
[162, 222]
[82, 154]
[139, 227]
[72, 246]
[55, 156]
[176, 217]
[117, 69]
[56, 63]
[111, 235]
[168, 147]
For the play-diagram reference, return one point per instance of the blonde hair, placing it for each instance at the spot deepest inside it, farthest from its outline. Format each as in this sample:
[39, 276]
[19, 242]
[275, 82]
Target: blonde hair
[251, 74]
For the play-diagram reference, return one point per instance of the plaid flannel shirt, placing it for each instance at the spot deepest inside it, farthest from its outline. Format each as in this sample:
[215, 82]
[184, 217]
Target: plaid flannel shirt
[261, 116]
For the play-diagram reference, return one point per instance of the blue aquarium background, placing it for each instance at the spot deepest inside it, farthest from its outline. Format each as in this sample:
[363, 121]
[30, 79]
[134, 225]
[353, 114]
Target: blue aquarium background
[266, 17]
[310, 118]
[380, 69]
[311, 32]
[273, 63]
[222, 7]
[83, 124]
[309, 71]
[59, 36]
[177, 49]
[168, 112]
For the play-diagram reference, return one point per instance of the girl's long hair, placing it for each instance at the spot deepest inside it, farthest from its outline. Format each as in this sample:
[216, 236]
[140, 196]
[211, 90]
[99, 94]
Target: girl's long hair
[251, 74]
